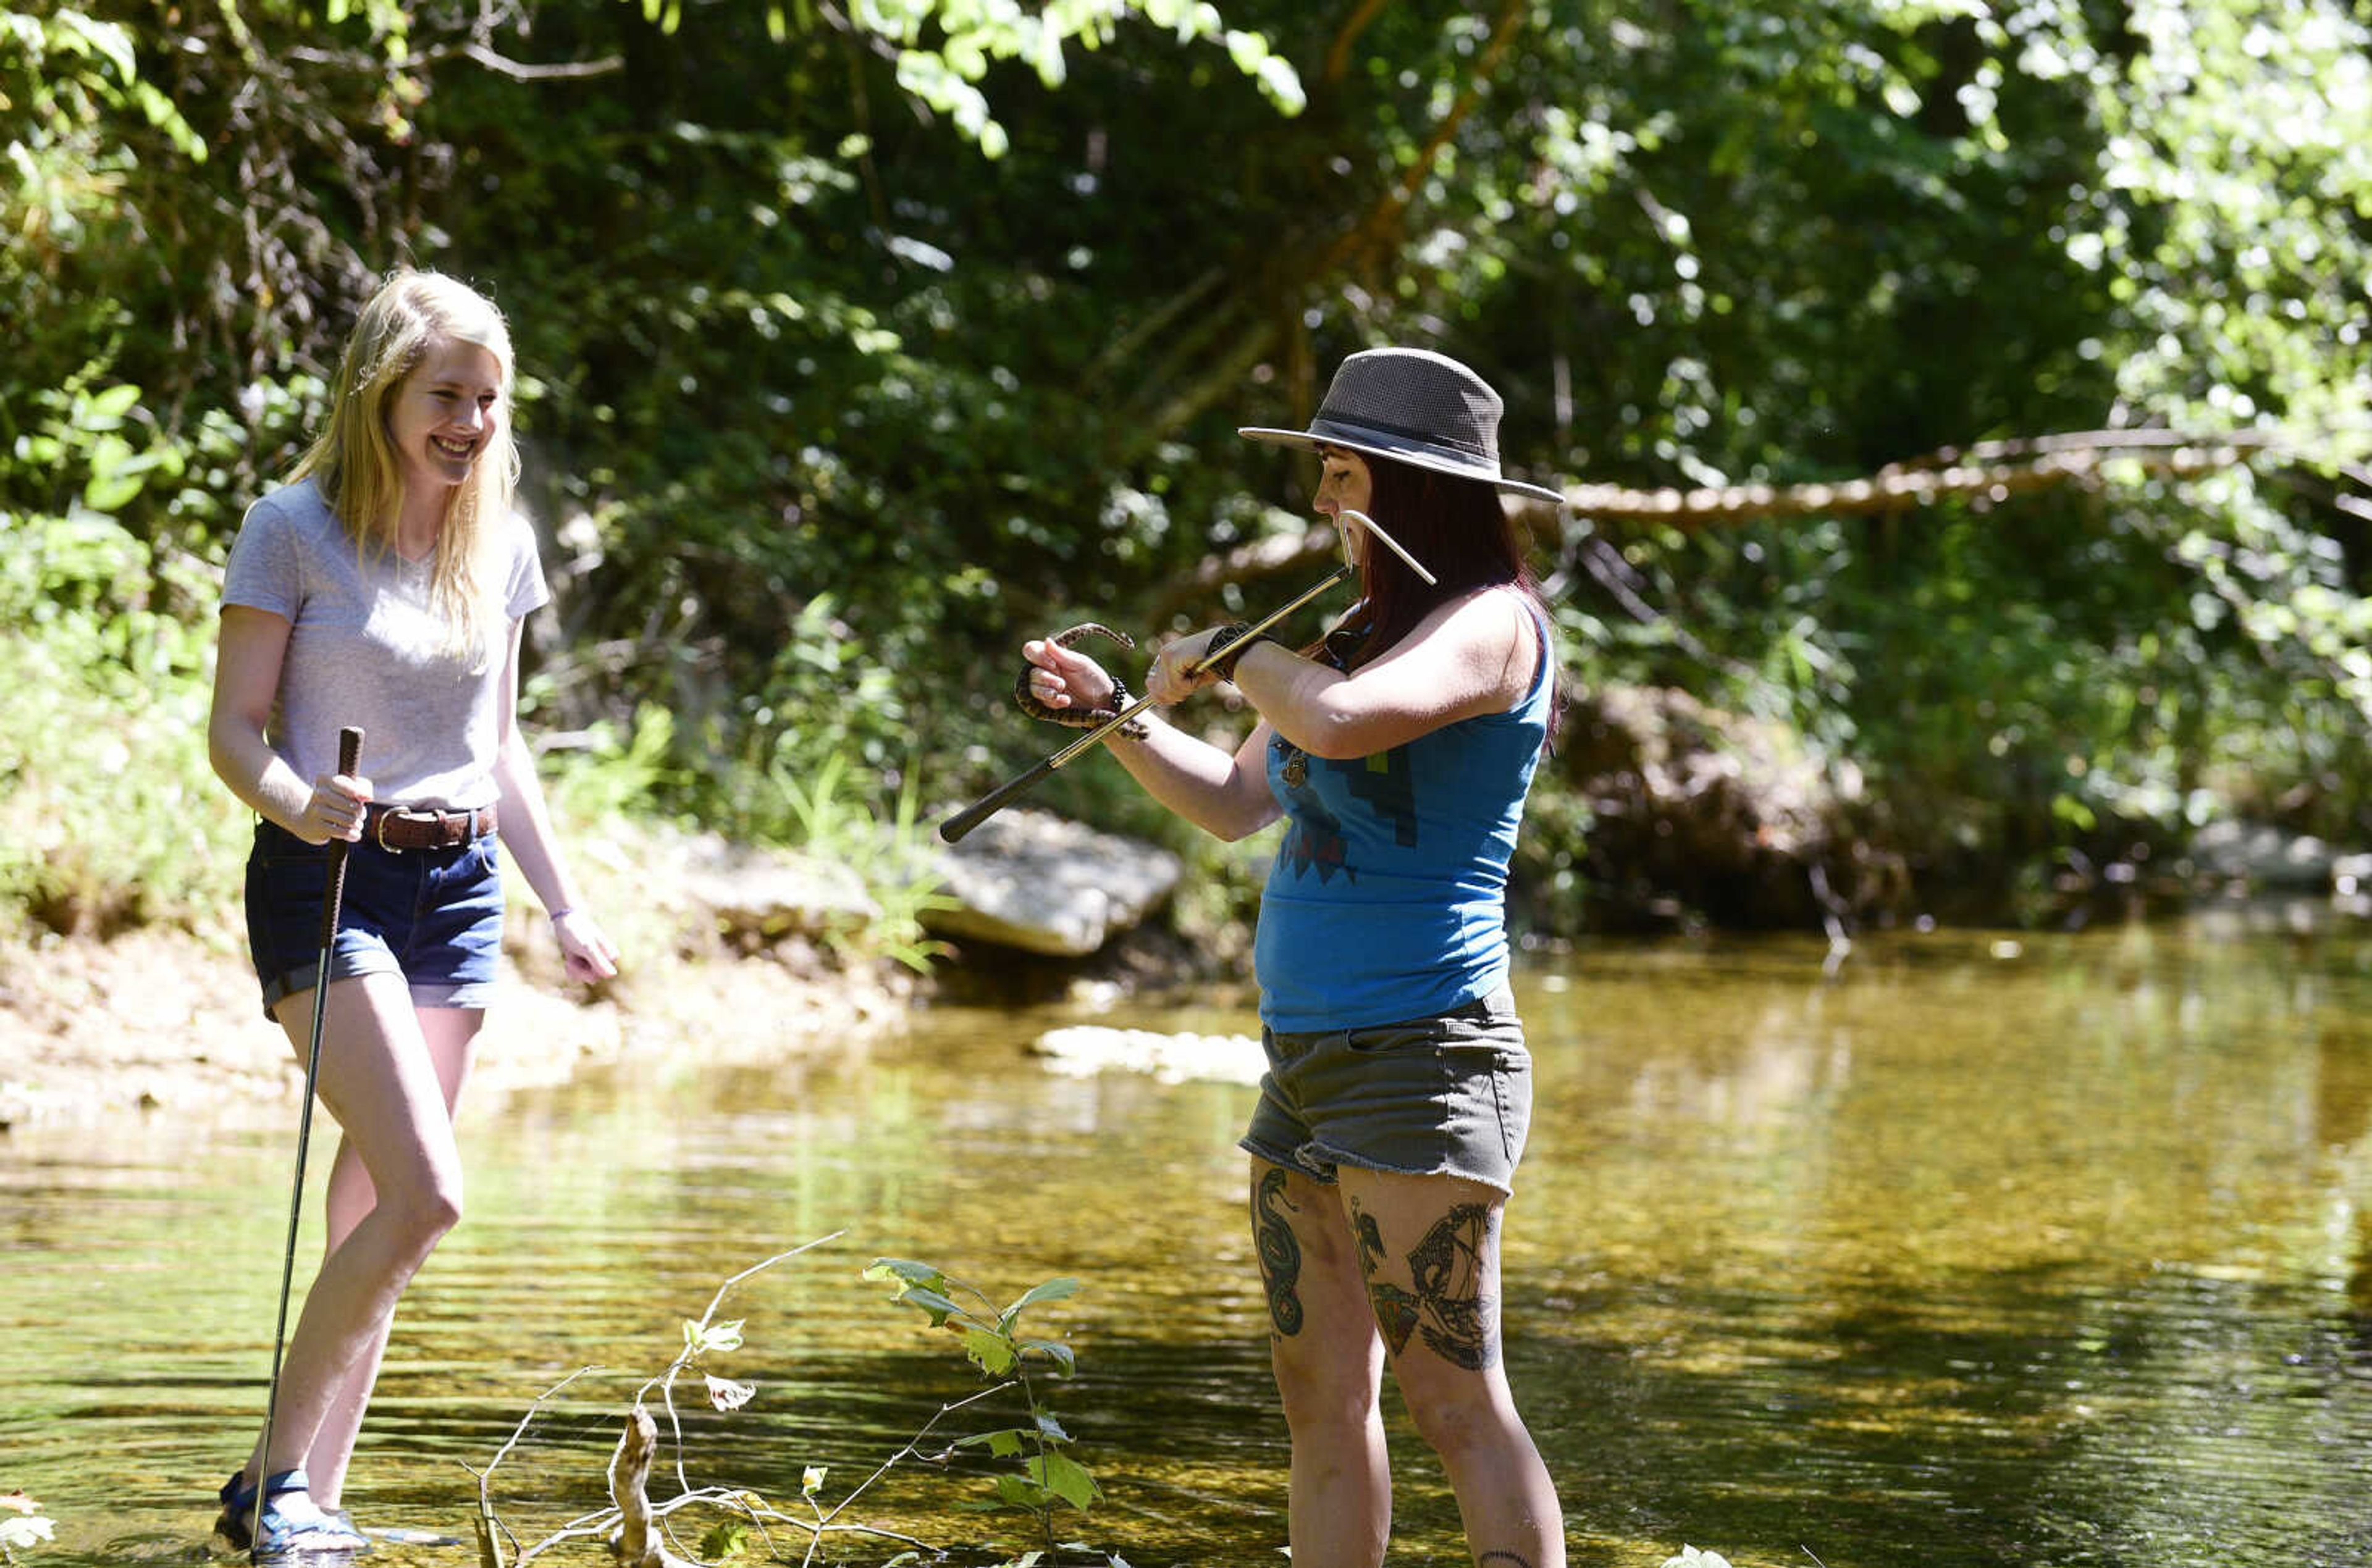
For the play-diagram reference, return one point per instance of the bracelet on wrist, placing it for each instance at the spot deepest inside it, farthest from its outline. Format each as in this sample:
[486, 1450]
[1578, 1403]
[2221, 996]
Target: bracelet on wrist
[557, 916]
[1235, 643]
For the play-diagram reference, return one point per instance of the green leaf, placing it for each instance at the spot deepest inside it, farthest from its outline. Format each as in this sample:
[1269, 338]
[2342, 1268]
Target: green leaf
[1055, 1351]
[105, 411]
[1005, 1443]
[905, 1272]
[939, 1308]
[1065, 1478]
[1021, 1492]
[993, 1353]
[1052, 1290]
[726, 1540]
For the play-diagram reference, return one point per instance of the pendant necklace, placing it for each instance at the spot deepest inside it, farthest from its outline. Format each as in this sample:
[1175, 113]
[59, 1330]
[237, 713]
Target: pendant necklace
[1336, 651]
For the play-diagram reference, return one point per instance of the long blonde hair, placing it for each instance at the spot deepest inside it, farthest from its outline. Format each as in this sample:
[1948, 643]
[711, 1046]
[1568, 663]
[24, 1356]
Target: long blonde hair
[354, 465]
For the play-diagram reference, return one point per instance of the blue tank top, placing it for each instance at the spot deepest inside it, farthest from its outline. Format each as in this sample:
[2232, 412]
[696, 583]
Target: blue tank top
[1388, 898]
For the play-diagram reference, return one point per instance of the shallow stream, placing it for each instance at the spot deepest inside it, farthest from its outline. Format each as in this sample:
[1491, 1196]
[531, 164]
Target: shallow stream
[1979, 1249]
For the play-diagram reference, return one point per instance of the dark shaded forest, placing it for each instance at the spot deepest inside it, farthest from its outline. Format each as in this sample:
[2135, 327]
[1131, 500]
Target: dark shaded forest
[1964, 408]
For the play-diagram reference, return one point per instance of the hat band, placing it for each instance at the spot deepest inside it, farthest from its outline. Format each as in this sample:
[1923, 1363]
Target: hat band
[1378, 434]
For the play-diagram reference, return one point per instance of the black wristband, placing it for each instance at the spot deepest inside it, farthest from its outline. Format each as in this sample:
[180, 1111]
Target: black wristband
[1235, 643]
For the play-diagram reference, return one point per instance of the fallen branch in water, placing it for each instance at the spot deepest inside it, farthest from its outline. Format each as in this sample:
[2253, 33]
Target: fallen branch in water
[637, 1546]
[636, 1528]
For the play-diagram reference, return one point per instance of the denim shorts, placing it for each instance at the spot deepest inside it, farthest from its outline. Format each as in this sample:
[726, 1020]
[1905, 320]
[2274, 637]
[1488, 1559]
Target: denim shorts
[1444, 1096]
[434, 916]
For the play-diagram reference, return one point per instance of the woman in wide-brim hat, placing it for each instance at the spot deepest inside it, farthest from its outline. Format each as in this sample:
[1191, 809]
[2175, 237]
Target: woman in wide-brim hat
[1399, 752]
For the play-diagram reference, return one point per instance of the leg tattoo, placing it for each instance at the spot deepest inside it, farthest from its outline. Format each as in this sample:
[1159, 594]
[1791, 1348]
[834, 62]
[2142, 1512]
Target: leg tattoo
[1280, 1254]
[1463, 1325]
[1504, 1560]
[1458, 1320]
[1395, 1309]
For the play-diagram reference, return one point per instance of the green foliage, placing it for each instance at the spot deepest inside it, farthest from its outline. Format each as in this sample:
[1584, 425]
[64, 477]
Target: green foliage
[1047, 1478]
[109, 812]
[1043, 1480]
[826, 411]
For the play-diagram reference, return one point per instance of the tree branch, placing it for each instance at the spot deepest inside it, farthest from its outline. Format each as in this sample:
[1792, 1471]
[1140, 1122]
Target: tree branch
[1338, 55]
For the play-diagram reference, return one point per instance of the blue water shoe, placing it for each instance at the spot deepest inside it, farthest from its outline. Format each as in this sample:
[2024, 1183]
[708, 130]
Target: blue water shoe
[292, 1523]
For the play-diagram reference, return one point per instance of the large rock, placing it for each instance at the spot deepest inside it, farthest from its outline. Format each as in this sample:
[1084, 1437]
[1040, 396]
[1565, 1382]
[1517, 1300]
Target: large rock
[1031, 880]
[763, 896]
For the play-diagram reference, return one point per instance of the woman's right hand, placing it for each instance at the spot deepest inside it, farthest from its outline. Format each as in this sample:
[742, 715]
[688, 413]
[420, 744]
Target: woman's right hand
[335, 809]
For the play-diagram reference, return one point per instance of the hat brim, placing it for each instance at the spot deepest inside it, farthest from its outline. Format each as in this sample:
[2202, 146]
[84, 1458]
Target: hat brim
[1377, 445]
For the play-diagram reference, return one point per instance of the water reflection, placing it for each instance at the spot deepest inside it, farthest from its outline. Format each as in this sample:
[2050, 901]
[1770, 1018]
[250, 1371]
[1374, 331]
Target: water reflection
[1981, 1250]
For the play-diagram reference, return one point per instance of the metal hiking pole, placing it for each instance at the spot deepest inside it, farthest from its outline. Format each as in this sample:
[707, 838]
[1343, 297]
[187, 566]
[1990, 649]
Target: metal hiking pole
[350, 752]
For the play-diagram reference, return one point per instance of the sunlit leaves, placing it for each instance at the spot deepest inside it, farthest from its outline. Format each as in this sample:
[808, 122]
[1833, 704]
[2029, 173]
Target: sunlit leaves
[727, 1394]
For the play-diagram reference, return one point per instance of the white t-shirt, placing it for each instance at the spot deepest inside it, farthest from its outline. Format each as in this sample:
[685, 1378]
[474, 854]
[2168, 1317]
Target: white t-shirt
[364, 649]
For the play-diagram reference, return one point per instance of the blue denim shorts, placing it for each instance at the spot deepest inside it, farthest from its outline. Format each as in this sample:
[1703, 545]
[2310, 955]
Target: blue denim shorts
[1444, 1096]
[434, 916]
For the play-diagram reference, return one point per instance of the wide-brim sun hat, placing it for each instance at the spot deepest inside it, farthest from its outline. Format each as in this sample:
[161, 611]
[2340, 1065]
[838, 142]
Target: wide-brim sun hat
[1412, 406]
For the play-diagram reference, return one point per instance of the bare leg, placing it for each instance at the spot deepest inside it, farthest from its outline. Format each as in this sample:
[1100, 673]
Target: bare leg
[1329, 1367]
[1428, 1248]
[449, 1033]
[378, 1081]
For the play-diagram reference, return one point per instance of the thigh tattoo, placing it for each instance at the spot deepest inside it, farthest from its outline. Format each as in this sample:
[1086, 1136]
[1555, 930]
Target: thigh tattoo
[1447, 1306]
[1280, 1252]
[1395, 1309]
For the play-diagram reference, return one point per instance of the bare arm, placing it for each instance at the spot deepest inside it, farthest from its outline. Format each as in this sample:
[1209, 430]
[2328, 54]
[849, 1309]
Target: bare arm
[247, 680]
[1472, 656]
[1224, 794]
[526, 832]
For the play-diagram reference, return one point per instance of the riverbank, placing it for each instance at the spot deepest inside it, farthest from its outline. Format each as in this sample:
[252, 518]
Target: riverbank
[164, 1022]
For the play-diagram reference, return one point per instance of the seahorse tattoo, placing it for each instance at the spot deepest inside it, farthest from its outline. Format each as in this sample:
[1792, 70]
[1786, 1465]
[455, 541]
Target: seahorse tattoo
[1280, 1253]
[1448, 1307]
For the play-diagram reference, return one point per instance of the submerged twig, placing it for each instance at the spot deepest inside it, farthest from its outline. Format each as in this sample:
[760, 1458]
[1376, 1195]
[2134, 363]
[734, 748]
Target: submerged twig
[491, 1530]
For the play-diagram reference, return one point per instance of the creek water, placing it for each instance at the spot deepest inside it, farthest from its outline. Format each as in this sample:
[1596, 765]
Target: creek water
[1972, 1249]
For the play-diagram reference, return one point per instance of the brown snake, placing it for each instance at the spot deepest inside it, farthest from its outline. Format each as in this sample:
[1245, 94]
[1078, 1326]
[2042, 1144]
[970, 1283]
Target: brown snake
[1078, 717]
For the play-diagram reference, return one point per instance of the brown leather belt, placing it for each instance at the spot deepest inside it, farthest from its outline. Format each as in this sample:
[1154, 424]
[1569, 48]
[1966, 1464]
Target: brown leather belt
[422, 827]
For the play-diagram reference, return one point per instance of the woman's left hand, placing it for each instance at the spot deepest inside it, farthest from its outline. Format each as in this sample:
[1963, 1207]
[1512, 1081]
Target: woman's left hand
[585, 947]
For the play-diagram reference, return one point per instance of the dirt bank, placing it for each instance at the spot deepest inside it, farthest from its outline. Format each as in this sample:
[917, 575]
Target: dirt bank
[167, 1022]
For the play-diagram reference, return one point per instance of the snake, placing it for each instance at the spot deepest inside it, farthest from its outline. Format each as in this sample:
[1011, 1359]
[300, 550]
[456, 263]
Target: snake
[1078, 717]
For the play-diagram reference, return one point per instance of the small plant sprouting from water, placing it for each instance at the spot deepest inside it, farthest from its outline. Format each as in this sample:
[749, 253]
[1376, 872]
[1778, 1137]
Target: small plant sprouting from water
[641, 1532]
[22, 1525]
[1048, 1480]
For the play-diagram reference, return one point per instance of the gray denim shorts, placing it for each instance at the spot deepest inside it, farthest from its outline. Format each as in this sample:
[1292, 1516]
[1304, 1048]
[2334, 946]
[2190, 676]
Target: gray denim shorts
[1443, 1096]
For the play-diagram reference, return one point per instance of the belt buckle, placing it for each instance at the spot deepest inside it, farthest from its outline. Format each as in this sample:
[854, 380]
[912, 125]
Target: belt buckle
[378, 831]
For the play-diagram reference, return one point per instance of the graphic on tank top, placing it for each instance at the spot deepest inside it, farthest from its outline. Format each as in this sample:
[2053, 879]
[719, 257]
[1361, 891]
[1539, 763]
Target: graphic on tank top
[1314, 838]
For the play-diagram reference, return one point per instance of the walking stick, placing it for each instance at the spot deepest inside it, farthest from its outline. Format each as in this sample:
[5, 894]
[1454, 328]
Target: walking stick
[350, 753]
[1004, 794]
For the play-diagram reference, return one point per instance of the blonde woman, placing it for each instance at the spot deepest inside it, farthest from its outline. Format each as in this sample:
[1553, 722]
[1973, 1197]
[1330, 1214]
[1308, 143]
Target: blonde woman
[1397, 752]
[384, 589]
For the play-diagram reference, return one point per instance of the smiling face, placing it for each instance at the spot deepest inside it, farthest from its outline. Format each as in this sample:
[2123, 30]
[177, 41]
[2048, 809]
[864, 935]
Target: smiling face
[445, 414]
[1344, 485]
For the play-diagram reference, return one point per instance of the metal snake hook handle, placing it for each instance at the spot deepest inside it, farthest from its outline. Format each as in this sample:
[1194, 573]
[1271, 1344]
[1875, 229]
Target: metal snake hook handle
[350, 756]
